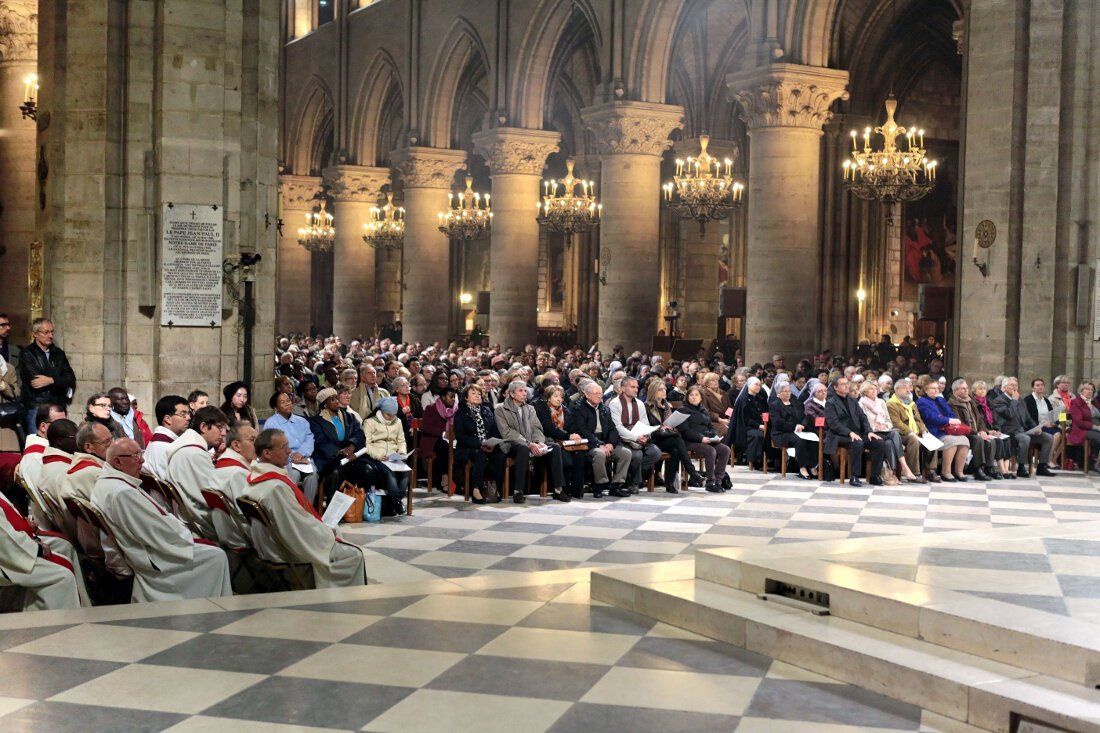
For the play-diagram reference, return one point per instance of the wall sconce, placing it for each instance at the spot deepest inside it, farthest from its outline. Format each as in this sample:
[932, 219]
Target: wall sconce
[465, 298]
[861, 295]
[984, 236]
[29, 108]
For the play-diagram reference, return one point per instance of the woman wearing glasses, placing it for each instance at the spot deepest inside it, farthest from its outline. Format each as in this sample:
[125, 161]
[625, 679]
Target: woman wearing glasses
[98, 410]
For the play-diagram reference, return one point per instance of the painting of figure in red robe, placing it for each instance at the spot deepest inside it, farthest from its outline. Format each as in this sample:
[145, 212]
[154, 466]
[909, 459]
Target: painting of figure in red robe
[929, 244]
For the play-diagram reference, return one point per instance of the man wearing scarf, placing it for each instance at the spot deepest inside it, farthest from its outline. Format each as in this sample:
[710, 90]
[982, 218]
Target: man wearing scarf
[628, 413]
[335, 563]
[906, 419]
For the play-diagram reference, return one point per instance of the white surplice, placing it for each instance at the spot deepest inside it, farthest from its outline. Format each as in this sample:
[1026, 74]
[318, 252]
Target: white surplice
[335, 562]
[191, 469]
[168, 563]
[156, 453]
[231, 477]
[45, 585]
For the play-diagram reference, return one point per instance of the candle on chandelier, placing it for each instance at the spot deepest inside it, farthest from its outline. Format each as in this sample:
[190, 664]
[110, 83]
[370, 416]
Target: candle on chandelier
[854, 136]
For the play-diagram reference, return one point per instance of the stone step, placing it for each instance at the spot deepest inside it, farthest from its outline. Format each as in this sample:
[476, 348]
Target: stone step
[966, 688]
[1036, 640]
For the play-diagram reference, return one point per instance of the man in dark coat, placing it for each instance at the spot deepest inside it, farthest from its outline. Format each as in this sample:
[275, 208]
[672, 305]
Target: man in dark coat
[847, 427]
[45, 372]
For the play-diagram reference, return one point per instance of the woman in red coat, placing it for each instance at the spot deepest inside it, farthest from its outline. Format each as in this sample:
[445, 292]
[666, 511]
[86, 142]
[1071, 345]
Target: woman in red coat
[1084, 421]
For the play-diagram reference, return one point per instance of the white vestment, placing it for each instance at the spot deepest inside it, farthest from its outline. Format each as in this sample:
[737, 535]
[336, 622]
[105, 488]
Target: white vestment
[167, 562]
[231, 476]
[191, 469]
[45, 585]
[81, 477]
[335, 563]
[156, 453]
[30, 468]
[55, 462]
[55, 542]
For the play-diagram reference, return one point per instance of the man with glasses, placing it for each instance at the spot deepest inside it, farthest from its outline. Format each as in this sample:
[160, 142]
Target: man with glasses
[230, 475]
[173, 416]
[191, 467]
[44, 371]
[92, 441]
[167, 562]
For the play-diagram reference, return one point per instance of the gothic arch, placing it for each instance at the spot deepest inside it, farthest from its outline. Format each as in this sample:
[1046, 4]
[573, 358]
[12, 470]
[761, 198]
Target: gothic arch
[650, 54]
[311, 127]
[379, 83]
[461, 46]
[530, 86]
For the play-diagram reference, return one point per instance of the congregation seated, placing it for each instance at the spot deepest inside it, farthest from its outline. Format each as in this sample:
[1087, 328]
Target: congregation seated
[896, 469]
[1084, 417]
[525, 443]
[747, 423]
[786, 417]
[907, 421]
[1013, 418]
[940, 419]
[631, 421]
[436, 421]
[301, 532]
[591, 419]
[982, 437]
[301, 468]
[669, 439]
[337, 436]
[474, 424]
[168, 563]
[553, 415]
[701, 438]
[238, 404]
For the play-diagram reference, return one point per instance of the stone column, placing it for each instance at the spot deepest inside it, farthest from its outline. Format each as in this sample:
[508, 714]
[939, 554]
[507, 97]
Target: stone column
[427, 174]
[784, 107]
[355, 189]
[701, 253]
[631, 136]
[293, 291]
[516, 158]
[18, 189]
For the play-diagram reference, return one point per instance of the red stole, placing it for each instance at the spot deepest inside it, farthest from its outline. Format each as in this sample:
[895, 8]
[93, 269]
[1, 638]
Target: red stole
[161, 438]
[56, 459]
[229, 463]
[298, 495]
[16, 520]
[82, 465]
[34, 449]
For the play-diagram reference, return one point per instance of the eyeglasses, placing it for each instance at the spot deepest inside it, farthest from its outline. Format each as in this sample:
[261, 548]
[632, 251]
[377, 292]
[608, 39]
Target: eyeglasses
[101, 404]
[185, 413]
[139, 454]
[5, 324]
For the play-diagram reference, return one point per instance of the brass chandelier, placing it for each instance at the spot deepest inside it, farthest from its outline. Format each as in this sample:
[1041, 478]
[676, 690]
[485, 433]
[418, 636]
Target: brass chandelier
[570, 212]
[703, 188]
[318, 235]
[386, 229]
[468, 215]
[891, 174]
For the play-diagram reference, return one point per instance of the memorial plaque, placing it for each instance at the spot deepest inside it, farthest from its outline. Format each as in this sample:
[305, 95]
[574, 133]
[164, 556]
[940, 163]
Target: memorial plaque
[191, 265]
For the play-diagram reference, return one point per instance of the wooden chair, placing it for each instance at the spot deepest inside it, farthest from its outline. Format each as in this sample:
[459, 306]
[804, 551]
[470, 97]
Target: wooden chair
[217, 500]
[105, 585]
[782, 455]
[301, 573]
[652, 484]
[40, 509]
[509, 463]
[181, 508]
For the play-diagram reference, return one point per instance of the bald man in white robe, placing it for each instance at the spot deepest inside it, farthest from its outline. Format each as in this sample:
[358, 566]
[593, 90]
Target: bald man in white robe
[335, 563]
[231, 478]
[168, 563]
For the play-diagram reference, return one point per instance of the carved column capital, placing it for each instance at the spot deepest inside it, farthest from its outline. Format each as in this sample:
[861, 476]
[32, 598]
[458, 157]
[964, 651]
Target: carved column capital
[299, 192]
[424, 167]
[787, 95]
[516, 150]
[640, 128]
[18, 30]
[355, 183]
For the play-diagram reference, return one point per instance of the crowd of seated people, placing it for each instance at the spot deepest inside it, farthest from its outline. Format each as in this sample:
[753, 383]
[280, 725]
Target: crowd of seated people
[160, 505]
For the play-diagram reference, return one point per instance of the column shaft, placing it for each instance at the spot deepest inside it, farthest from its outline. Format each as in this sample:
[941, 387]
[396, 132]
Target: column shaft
[353, 307]
[513, 264]
[783, 242]
[427, 272]
[628, 250]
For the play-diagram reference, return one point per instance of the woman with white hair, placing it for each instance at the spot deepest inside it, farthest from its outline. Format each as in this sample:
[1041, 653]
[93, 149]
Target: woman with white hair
[874, 407]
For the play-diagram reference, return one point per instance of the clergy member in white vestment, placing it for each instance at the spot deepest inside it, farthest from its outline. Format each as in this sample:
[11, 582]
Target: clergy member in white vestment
[335, 562]
[231, 477]
[30, 469]
[191, 467]
[32, 576]
[92, 441]
[168, 563]
[172, 414]
[58, 543]
[57, 458]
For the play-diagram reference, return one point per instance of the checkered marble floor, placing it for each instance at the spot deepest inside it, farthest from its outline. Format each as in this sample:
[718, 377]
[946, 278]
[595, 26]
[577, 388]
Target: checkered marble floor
[502, 653]
[450, 538]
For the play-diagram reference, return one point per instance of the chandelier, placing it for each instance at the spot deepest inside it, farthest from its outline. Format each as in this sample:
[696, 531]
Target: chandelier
[891, 174]
[318, 235]
[386, 229]
[703, 188]
[569, 212]
[465, 217]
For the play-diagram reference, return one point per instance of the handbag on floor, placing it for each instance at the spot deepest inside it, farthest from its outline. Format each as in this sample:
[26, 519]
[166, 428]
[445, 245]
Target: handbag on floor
[354, 514]
[372, 507]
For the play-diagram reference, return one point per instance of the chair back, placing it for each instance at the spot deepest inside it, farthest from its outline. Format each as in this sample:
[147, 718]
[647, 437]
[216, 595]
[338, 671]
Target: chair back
[95, 518]
[218, 501]
[76, 508]
[182, 509]
[34, 497]
[255, 512]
